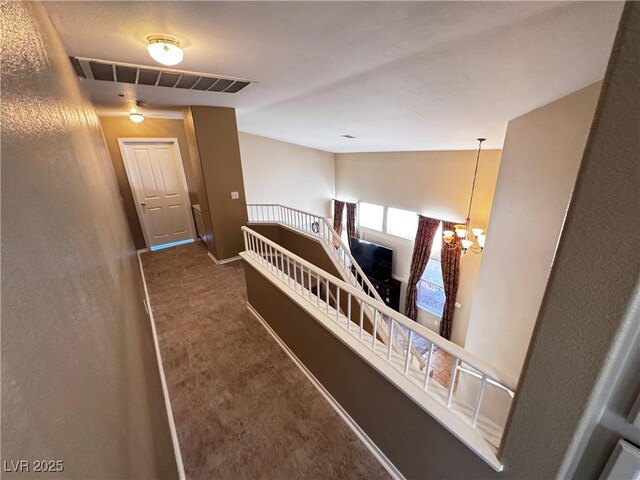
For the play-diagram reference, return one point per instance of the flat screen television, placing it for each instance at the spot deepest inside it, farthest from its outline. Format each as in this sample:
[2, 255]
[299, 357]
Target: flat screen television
[375, 260]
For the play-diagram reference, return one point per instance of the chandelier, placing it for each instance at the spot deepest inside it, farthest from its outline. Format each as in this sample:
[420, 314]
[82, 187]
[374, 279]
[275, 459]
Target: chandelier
[469, 238]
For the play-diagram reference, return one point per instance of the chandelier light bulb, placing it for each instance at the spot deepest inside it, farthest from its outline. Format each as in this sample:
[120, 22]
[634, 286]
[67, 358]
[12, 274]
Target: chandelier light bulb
[466, 244]
[165, 50]
[448, 235]
[477, 232]
[481, 239]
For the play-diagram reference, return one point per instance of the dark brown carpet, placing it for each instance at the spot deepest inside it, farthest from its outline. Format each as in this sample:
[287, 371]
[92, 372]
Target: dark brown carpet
[243, 410]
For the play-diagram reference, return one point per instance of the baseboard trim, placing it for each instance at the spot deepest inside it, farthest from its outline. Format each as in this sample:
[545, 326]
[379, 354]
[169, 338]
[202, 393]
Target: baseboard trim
[163, 380]
[350, 422]
[226, 260]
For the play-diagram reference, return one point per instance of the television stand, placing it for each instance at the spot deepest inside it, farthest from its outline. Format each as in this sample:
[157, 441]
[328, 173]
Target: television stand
[389, 290]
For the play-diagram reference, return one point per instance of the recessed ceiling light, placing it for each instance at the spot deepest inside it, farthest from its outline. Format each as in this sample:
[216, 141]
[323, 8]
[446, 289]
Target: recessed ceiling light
[136, 117]
[348, 136]
[165, 50]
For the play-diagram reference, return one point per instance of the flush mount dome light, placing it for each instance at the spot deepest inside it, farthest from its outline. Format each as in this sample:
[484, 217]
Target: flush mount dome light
[136, 117]
[165, 50]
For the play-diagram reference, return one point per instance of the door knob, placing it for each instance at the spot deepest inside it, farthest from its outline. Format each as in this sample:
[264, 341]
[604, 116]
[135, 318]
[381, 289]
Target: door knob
[143, 204]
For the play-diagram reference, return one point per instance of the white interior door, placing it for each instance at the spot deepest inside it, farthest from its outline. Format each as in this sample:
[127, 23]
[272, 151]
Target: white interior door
[159, 188]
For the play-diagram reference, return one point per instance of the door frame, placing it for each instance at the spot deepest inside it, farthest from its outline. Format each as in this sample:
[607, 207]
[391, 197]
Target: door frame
[123, 143]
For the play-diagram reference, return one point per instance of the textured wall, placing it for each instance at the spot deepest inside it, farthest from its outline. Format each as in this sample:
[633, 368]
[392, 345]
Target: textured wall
[121, 127]
[80, 380]
[581, 374]
[288, 174]
[540, 160]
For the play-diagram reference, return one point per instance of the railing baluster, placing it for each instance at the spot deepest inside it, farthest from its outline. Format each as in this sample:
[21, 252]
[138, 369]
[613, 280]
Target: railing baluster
[309, 285]
[288, 271]
[295, 276]
[407, 360]
[274, 260]
[428, 367]
[318, 290]
[326, 305]
[479, 400]
[389, 349]
[375, 328]
[361, 318]
[348, 311]
[337, 303]
[452, 382]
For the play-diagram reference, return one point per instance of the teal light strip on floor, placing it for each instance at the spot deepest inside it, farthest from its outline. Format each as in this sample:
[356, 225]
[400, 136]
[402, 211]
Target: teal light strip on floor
[172, 244]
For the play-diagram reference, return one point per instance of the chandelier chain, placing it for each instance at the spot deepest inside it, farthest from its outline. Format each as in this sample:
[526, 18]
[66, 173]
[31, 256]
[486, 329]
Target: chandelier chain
[475, 174]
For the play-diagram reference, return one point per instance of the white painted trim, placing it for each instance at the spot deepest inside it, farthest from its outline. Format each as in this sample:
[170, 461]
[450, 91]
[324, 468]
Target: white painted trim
[163, 380]
[230, 259]
[333, 403]
[215, 260]
[226, 260]
[142, 250]
[122, 144]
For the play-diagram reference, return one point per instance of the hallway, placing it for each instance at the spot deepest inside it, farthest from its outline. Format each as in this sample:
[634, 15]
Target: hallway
[242, 408]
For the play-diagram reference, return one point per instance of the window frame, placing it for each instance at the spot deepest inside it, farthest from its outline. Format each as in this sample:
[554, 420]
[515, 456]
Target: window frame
[383, 224]
[386, 226]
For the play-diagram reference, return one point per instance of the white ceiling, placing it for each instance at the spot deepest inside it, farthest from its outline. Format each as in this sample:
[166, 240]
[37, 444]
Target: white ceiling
[397, 75]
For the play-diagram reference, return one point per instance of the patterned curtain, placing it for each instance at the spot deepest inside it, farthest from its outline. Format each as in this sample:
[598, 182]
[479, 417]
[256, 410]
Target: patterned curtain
[421, 251]
[352, 210]
[338, 212]
[450, 262]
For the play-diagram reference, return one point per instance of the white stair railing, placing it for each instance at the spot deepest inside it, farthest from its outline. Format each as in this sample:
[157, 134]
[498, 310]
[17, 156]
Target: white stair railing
[321, 228]
[318, 288]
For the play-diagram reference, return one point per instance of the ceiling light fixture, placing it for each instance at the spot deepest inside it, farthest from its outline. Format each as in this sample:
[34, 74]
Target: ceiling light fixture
[165, 50]
[469, 238]
[135, 116]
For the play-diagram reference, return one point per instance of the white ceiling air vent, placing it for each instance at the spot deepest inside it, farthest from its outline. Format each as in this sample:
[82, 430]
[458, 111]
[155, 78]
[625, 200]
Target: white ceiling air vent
[153, 76]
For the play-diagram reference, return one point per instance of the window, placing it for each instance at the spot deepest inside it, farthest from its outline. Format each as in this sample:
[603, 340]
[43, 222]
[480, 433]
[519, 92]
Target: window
[402, 223]
[371, 216]
[431, 295]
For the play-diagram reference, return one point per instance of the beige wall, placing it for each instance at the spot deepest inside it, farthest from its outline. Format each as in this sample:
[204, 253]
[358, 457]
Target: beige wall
[288, 174]
[581, 375]
[121, 127]
[436, 184]
[80, 380]
[216, 137]
[540, 160]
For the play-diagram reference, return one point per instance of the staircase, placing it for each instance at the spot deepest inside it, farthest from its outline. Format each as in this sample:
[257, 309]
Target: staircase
[321, 230]
[324, 296]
